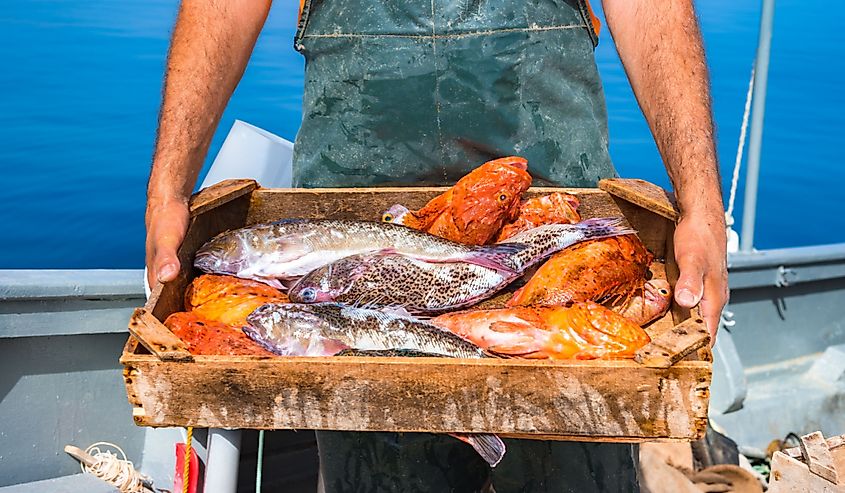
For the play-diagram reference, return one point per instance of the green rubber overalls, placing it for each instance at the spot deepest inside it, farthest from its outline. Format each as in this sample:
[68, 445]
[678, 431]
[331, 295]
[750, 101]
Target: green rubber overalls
[420, 92]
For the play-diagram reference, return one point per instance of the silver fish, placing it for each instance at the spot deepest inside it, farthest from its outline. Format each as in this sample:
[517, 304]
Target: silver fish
[280, 252]
[419, 286]
[325, 329]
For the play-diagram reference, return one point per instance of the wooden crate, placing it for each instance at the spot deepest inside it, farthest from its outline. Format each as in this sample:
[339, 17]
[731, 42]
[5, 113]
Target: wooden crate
[661, 395]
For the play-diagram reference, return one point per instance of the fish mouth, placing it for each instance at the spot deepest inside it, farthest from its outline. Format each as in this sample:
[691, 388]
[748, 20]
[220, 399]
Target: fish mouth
[206, 261]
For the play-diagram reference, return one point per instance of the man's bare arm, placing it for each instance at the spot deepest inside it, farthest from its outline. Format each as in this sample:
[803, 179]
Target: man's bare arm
[211, 45]
[659, 43]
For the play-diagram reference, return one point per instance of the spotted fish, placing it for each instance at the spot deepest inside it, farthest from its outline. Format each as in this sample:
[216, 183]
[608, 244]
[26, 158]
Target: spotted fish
[325, 329]
[283, 251]
[419, 286]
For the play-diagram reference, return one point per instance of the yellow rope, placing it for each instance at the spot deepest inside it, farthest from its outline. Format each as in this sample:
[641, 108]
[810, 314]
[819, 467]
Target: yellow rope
[187, 469]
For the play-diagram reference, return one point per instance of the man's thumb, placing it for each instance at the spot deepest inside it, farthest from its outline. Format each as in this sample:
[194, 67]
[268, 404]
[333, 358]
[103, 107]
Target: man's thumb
[690, 285]
[167, 266]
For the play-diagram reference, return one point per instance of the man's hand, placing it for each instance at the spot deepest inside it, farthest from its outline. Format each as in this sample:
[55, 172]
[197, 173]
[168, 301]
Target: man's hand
[660, 46]
[700, 251]
[166, 227]
[211, 45]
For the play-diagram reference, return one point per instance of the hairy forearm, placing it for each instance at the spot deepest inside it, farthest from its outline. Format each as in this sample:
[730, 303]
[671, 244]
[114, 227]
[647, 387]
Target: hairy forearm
[659, 43]
[210, 47]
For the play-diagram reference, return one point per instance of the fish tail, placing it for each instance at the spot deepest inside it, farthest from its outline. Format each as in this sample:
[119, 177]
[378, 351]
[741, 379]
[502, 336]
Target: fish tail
[603, 227]
[490, 447]
[497, 257]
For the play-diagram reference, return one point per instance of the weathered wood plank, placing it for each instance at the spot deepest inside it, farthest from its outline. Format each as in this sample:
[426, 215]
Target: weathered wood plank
[673, 345]
[816, 454]
[157, 338]
[833, 443]
[644, 194]
[792, 476]
[274, 204]
[220, 193]
[426, 394]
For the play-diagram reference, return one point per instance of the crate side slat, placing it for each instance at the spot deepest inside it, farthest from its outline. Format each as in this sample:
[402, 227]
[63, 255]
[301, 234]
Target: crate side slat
[425, 395]
[157, 338]
[274, 204]
[644, 194]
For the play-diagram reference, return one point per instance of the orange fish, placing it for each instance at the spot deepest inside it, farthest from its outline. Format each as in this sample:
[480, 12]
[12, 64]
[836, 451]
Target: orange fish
[580, 331]
[555, 208]
[596, 270]
[205, 336]
[649, 305]
[228, 299]
[475, 208]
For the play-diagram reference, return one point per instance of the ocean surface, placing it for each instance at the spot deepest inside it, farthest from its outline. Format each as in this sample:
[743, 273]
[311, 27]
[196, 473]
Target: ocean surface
[81, 81]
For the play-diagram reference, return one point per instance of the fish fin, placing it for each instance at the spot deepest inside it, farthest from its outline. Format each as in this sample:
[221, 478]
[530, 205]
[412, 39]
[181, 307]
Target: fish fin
[496, 257]
[490, 447]
[603, 227]
[509, 327]
[520, 343]
[396, 310]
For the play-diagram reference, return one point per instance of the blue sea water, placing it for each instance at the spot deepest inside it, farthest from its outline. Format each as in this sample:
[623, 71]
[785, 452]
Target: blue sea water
[80, 89]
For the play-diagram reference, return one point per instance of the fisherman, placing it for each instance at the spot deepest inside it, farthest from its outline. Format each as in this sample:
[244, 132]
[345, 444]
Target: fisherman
[418, 92]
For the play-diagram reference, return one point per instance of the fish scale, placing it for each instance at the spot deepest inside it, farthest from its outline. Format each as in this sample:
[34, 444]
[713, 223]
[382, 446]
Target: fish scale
[427, 287]
[285, 250]
[324, 329]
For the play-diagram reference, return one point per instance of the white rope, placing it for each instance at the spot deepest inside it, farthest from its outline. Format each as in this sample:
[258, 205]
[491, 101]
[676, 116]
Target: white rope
[114, 469]
[739, 150]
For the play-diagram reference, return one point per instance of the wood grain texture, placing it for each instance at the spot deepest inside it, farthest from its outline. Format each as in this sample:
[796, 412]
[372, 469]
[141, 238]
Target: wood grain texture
[157, 338]
[613, 401]
[833, 443]
[644, 194]
[793, 476]
[367, 204]
[817, 455]
[671, 346]
[220, 193]
[568, 399]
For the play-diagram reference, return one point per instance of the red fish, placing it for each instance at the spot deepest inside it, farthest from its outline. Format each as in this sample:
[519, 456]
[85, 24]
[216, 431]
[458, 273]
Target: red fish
[475, 208]
[597, 270]
[579, 331]
[555, 208]
[652, 303]
[208, 337]
[228, 299]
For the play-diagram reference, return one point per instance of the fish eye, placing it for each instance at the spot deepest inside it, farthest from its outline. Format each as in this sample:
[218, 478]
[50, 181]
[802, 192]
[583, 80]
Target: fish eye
[387, 217]
[308, 295]
[663, 291]
[503, 197]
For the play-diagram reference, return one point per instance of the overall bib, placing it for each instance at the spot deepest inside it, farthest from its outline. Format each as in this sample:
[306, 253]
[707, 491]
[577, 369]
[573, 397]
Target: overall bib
[420, 92]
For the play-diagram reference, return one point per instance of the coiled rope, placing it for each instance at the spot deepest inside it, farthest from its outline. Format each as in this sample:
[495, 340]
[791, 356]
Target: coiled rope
[114, 469]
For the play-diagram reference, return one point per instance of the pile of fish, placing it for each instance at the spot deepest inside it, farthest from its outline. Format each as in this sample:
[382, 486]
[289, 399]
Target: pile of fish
[301, 287]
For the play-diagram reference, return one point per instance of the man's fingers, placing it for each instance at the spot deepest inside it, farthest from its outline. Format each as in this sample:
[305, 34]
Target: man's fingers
[690, 286]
